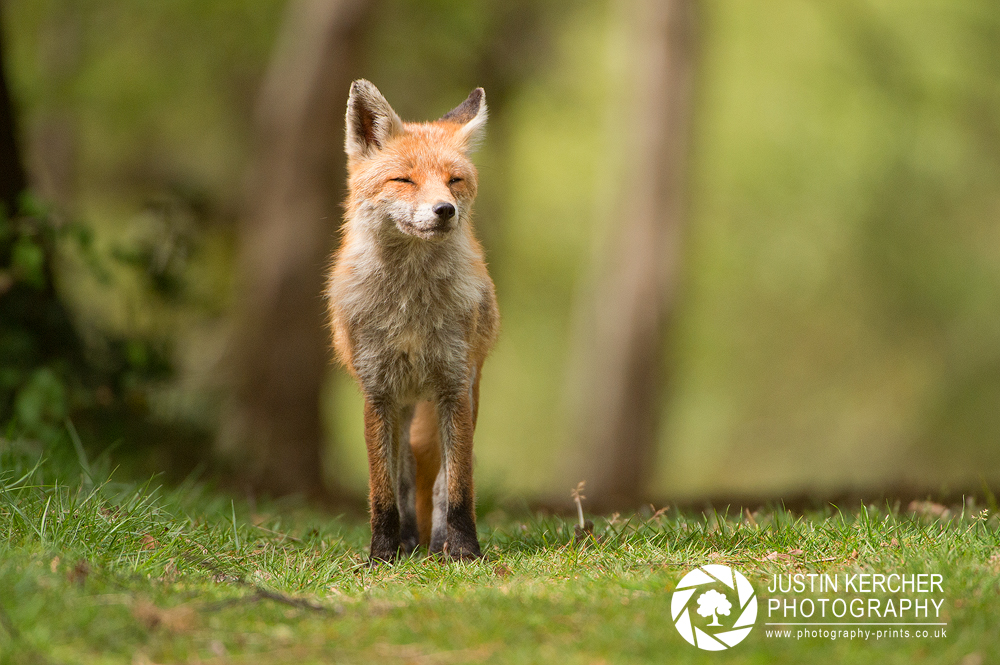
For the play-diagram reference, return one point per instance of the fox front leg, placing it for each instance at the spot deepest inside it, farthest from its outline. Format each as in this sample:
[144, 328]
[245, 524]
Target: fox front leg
[455, 534]
[382, 441]
[405, 483]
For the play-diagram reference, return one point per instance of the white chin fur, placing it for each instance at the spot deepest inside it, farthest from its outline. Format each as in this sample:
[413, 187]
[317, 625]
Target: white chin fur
[427, 230]
[422, 222]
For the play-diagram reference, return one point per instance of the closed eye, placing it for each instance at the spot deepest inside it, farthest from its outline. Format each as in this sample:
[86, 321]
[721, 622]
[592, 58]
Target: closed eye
[406, 180]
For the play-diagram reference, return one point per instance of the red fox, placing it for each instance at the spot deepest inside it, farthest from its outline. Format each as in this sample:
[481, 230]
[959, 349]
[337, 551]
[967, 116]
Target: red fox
[414, 314]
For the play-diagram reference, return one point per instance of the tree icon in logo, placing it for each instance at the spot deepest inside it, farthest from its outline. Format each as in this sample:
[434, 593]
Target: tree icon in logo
[712, 603]
[722, 590]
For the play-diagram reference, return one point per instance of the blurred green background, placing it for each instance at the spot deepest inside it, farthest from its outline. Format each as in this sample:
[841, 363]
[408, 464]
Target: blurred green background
[835, 324]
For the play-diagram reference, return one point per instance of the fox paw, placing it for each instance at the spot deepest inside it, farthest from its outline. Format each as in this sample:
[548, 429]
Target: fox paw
[384, 551]
[462, 549]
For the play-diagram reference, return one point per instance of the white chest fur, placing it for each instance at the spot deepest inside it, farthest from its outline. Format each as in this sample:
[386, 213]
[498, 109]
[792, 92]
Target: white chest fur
[407, 304]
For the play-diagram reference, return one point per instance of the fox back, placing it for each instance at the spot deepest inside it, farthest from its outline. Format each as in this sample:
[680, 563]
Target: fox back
[414, 315]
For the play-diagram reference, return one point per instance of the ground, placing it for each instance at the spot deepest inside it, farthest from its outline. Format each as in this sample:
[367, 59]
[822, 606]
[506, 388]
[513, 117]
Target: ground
[94, 569]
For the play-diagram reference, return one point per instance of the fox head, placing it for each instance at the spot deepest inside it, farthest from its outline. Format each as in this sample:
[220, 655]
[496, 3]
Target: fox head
[411, 178]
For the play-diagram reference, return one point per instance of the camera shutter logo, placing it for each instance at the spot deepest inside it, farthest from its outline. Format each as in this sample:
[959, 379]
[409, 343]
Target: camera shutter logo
[711, 602]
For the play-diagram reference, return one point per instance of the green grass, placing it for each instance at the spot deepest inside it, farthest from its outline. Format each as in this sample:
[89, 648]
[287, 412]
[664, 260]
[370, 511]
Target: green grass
[96, 570]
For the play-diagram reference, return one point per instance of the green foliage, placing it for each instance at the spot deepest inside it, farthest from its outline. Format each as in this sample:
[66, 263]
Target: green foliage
[836, 327]
[93, 569]
[40, 353]
[27, 262]
[837, 322]
[47, 372]
[152, 109]
[42, 404]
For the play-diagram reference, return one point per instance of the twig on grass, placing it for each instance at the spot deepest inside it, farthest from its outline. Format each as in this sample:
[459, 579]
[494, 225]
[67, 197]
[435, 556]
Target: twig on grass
[260, 593]
[263, 594]
[825, 559]
[278, 533]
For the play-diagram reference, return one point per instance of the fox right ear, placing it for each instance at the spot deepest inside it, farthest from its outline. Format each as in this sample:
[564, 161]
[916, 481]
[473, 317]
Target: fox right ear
[371, 122]
[471, 114]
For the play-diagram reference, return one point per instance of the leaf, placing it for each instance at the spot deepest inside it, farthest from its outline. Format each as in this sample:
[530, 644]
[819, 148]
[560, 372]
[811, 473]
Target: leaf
[78, 575]
[28, 260]
[780, 556]
[175, 619]
[929, 509]
[42, 401]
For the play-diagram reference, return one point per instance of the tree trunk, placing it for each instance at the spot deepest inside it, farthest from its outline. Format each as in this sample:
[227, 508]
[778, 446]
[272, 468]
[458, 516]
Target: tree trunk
[53, 141]
[621, 323]
[12, 177]
[272, 430]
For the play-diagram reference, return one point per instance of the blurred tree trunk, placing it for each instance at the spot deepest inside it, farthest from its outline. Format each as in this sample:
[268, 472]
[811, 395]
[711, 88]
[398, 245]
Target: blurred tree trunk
[272, 430]
[622, 321]
[12, 177]
[53, 142]
[30, 313]
[521, 37]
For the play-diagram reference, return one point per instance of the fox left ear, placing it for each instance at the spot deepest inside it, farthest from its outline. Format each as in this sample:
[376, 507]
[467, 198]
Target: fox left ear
[471, 114]
[371, 122]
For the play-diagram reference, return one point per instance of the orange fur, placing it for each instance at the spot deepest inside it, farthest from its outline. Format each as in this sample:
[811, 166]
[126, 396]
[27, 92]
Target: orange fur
[426, 446]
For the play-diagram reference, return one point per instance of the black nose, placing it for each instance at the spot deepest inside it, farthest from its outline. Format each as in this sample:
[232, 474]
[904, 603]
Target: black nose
[444, 210]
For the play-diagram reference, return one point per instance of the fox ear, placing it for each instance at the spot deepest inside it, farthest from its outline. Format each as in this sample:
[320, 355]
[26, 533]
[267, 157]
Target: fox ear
[371, 122]
[471, 114]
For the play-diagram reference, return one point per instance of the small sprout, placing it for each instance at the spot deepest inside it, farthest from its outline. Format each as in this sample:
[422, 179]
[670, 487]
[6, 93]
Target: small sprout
[585, 527]
[577, 495]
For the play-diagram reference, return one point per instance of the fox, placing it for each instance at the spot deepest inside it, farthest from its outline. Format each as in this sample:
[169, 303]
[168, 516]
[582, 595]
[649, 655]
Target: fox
[414, 313]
